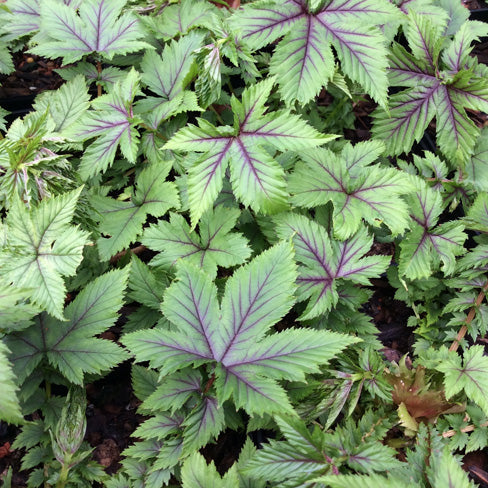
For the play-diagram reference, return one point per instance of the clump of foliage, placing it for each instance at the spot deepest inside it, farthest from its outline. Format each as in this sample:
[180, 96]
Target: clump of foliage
[188, 168]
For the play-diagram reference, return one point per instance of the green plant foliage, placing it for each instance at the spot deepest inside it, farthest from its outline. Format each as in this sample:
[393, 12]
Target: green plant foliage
[42, 247]
[214, 200]
[216, 245]
[70, 346]
[257, 179]
[123, 221]
[9, 404]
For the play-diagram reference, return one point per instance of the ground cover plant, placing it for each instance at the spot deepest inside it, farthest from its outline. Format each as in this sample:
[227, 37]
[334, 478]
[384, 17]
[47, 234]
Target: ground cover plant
[193, 210]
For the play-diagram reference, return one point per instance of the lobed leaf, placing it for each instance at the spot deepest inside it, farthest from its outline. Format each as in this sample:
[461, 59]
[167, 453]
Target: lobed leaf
[41, 248]
[100, 26]
[70, 346]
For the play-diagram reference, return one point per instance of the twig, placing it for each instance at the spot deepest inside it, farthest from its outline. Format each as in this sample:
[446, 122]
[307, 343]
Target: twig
[468, 428]
[121, 254]
[469, 318]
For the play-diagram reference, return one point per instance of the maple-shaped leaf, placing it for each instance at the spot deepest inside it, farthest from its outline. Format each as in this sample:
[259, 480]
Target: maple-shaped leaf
[70, 346]
[469, 373]
[357, 190]
[97, 26]
[9, 405]
[440, 86]
[167, 75]
[230, 339]
[41, 247]
[123, 221]
[427, 245]
[303, 60]
[328, 265]
[258, 180]
[112, 123]
[215, 246]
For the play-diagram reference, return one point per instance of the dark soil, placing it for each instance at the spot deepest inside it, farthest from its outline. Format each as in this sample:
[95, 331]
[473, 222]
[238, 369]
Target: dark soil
[32, 75]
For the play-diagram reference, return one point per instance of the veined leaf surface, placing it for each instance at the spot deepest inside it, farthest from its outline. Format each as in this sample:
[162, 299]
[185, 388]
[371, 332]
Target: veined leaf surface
[42, 246]
[255, 298]
[70, 346]
[327, 264]
[438, 85]
[98, 27]
[257, 178]
[357, 190]
[303, 60]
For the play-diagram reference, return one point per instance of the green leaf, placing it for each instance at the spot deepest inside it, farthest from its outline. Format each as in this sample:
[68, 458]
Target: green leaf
[204, 423]
[446, 472]
[65, 105]
[123, 221]
[98, 26]
[469, 374]
[167, 76]
[357, 190]
[146, 287]
[9, 405]
[303, 59]
[366, 481]
[182, 17]
[427, 245]
[71, 346]
[15, 310]
[247, 453]
[477, 217]
[232, 337]
[113, 125]
[196, 473]
[257, 178]
[216, 245]
[443, 88]
[42, 247]
[327, 264]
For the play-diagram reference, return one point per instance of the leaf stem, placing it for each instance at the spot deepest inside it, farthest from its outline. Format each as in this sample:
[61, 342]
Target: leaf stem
[469, 318]
[136, 250]
[214, 110]
[99, 86]
[153, 131]
[209, 384]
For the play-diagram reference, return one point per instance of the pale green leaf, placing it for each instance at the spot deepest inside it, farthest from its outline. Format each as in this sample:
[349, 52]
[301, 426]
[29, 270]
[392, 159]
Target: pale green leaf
[9, 405]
